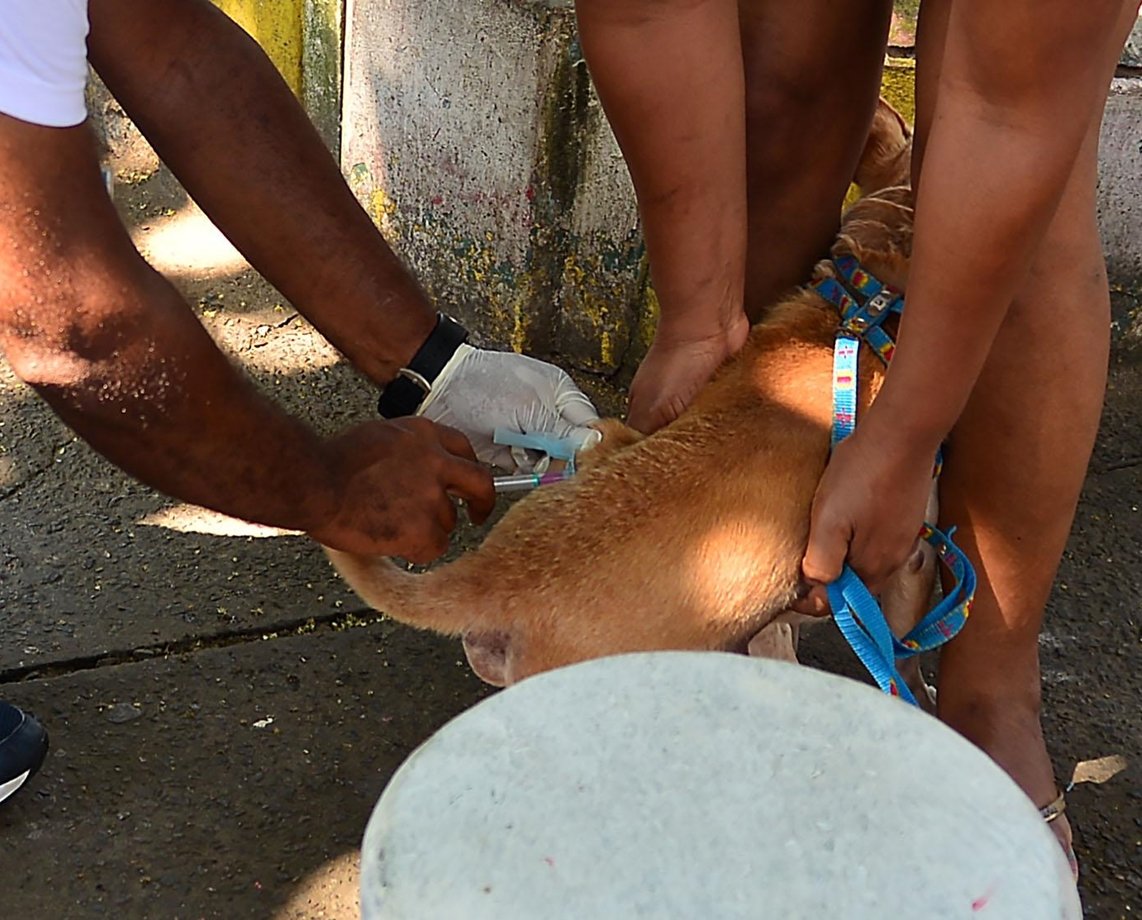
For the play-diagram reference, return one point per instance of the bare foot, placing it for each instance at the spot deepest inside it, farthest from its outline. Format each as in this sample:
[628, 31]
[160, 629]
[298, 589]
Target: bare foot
[1013, 737]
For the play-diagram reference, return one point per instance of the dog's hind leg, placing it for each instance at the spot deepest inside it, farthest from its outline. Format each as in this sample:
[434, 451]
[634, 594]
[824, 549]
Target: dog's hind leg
[905, 601]
[777, 640]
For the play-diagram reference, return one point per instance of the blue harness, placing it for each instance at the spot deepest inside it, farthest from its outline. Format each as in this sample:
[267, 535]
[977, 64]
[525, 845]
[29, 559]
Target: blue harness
[864, 303]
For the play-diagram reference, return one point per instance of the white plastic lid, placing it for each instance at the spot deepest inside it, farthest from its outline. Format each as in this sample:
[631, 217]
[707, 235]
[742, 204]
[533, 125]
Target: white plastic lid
[703, 785]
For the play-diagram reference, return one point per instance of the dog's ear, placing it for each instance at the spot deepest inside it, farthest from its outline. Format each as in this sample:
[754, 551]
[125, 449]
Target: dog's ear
[887, 157]
[489, 656]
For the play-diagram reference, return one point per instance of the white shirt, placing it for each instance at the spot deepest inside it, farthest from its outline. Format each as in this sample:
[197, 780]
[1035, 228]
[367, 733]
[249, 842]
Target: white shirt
[43, 61]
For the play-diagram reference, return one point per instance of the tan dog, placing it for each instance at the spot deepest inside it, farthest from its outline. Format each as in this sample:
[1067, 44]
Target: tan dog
[691, 538]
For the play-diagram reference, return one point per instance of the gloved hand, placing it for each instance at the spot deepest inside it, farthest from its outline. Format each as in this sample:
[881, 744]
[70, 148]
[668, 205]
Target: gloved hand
[480, 390]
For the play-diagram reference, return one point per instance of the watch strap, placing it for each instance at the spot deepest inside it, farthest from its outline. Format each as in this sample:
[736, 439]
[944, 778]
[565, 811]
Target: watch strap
[404, 394]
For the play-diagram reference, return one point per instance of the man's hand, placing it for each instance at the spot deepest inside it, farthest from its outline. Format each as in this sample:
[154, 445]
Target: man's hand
[397, 482]
[479, 391]
[867, 511]
[674, 371]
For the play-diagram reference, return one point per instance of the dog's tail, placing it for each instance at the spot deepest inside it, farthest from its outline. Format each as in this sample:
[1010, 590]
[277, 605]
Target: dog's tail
[887, 157]
[425, 601]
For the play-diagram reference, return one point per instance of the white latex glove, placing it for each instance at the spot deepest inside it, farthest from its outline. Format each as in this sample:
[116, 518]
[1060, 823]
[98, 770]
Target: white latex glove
[480, 390]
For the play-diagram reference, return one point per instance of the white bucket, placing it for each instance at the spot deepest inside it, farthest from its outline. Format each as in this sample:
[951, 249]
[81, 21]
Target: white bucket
[704, 786]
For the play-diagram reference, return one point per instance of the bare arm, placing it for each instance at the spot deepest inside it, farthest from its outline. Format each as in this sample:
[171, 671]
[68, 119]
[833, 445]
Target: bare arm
[1017, 87]
[221, 117]
[110, 345]
[218, 113]
[670, 77]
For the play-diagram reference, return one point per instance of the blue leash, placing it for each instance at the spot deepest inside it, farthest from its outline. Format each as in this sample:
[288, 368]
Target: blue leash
[864, 303]
[862, 622]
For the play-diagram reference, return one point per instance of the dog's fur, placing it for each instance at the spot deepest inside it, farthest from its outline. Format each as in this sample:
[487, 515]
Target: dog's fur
[691, 538]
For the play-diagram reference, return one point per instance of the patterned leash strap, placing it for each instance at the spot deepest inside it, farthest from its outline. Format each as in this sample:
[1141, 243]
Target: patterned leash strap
[862, 622]
[864, 303]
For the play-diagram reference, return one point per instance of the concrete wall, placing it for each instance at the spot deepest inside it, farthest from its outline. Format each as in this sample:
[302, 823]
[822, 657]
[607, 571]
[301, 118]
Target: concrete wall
[304, 40]
[472, 134]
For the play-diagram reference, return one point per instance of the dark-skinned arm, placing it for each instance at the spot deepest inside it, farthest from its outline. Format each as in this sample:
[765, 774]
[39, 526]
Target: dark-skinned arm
[221, 117]
[224, 121]
[113, 349]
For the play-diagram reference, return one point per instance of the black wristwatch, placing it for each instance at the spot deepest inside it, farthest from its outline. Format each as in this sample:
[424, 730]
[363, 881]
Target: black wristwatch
[412, 384]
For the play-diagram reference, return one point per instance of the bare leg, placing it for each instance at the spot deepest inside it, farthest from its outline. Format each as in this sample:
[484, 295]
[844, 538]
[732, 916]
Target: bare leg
[1012, 482]
[812, 74]
[1014, 471]
[906, 599]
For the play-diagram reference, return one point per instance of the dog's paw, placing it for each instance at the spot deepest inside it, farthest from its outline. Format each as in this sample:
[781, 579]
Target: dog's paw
[778, 640]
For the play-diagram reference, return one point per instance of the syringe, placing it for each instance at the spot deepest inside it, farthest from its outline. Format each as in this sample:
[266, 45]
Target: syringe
[525, 482]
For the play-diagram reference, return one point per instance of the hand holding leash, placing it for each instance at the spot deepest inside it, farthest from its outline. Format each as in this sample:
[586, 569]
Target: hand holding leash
[869, 506]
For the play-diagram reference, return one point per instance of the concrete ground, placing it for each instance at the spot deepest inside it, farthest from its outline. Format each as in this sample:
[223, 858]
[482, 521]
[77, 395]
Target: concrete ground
[224, 714]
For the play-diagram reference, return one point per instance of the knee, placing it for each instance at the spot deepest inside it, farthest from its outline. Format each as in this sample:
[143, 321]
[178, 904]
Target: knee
[798, 116]
[782, 89]
[785, 106]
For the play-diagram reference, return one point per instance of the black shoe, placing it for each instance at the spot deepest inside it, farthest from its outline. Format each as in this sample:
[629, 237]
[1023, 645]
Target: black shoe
[23, 747]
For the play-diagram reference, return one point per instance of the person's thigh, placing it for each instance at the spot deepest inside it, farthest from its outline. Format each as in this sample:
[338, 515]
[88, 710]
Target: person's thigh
[812, 79]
